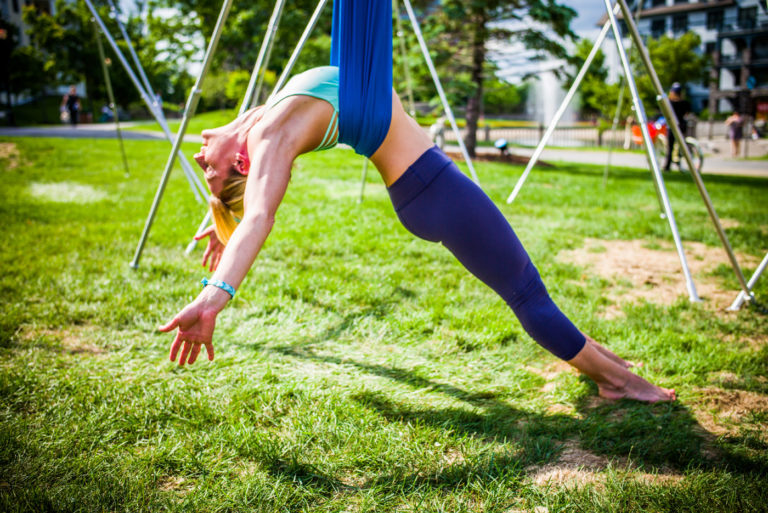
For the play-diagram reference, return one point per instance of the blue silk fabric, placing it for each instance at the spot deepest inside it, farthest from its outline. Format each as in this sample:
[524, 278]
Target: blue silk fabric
[361, 46]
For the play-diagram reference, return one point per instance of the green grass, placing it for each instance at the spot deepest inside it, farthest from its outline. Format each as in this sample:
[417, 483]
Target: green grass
[358, 368]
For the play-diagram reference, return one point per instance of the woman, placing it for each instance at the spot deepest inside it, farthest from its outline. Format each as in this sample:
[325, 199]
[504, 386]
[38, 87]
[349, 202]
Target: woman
[735, 124]
[247, 166]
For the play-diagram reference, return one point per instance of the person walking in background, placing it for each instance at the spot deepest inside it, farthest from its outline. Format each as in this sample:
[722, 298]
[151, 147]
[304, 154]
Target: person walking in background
[71, 102]
[681, 108]
[735, 124]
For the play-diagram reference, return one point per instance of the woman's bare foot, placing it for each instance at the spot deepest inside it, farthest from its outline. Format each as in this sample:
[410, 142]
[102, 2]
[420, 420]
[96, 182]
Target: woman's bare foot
[612, 356]
[613, 379]
[637, 388]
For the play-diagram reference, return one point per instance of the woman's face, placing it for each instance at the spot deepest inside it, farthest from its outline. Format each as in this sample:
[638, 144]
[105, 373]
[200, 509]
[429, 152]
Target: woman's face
[217, 157]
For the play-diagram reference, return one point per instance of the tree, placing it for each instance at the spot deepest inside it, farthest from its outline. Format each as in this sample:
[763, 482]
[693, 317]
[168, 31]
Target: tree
[595, 94]
[25, 70]
[65, 41]
[465, 28]
[675, 60]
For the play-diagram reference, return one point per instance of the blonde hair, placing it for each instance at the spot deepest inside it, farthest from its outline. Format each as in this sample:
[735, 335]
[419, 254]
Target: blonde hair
[227, 208]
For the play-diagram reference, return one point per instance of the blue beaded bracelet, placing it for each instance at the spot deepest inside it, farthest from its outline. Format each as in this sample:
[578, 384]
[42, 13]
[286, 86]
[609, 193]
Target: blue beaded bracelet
[226, 287]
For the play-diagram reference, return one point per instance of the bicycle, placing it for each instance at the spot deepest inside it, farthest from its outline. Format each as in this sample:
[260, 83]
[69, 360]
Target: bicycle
[658, 132]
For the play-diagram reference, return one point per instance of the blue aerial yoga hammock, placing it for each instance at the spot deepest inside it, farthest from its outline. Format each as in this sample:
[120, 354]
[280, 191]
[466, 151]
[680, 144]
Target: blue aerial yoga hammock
[361, 47]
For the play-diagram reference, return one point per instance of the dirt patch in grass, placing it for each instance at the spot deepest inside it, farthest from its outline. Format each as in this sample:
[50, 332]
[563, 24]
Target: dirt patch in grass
[509, 158]
[73, 340]
[579, 467]
[175, 484]
[723, 412]
[639, 272]
[10, 152]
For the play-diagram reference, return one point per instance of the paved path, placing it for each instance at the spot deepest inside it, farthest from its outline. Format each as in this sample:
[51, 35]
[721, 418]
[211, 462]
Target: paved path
[713, 164]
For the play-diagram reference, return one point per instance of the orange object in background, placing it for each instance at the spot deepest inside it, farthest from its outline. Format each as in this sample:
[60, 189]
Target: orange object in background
[654, 128]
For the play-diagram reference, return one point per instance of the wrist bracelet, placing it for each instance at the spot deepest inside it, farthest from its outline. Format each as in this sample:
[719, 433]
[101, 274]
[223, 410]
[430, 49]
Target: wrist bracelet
[226, 287]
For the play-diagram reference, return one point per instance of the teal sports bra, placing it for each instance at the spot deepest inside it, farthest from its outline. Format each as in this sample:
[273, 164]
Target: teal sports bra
[321, 83]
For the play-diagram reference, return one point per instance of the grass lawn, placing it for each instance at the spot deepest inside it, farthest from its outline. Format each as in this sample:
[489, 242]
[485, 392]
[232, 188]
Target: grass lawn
[361, 369]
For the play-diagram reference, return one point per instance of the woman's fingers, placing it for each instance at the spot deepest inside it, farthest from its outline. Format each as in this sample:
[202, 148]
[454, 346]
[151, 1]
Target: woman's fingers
[205, 233]
[171, 325]
[193, 354]
[209, 350]
[175, 346]
[185, 352]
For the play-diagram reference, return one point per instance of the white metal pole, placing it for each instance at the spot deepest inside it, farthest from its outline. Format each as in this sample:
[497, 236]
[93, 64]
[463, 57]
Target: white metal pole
[194, 182]
[560, 111]
[189, 111]
[295, 55]
[254, 85]
[438, 85]
[752, 281]
[643, 120]
[404, 55]
[362, 182]
[672, 122]
[132, 51]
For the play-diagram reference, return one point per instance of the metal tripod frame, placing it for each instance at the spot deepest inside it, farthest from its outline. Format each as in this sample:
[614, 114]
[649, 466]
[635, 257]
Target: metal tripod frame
[252, 96]
[661, 192]
[198, 189]
[112, 104]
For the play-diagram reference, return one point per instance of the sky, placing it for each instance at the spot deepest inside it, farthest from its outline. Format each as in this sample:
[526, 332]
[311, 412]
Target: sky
[589, 13]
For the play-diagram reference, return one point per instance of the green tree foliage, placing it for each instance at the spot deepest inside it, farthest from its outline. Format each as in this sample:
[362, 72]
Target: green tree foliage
[460, 30]
[675, 60]
[25, 70]
[596, 98]
[65, 41]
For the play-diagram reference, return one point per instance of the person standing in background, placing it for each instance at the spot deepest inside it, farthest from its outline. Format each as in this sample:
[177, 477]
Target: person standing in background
[681, 108]
[735, 124]
[71, 102]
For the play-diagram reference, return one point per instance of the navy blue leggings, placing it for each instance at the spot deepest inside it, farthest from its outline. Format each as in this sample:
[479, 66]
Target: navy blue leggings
[438, 203]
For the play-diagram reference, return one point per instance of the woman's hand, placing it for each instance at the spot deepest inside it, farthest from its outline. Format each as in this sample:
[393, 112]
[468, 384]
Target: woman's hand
[214, 249]
[196, 323]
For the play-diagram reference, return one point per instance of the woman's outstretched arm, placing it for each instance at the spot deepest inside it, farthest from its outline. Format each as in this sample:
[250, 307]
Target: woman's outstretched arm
[273, 144]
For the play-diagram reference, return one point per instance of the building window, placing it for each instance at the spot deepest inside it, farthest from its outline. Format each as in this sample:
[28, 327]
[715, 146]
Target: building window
[658, 3]
[681, 1]
[710, 48]
[747, 17]
[658, 27]
[15, 5]
[680, 23]
[715, 20]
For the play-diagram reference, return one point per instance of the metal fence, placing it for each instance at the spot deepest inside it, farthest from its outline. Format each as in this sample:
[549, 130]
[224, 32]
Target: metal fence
[580, 136]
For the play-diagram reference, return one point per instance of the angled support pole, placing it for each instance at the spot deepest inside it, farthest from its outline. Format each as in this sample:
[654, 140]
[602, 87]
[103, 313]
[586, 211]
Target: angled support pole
[189, 111]
[751, 284]
[257, 76]
[439, 86]
[111, 95]
[302, 41]
[659, 180]
[561, 110]
[672, 122]
[197, 187]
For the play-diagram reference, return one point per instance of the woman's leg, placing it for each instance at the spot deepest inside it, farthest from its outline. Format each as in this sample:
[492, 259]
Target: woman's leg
[436, 202]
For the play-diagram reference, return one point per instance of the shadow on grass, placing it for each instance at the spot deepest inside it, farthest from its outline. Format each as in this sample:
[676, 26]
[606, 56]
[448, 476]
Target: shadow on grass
[653, 437]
